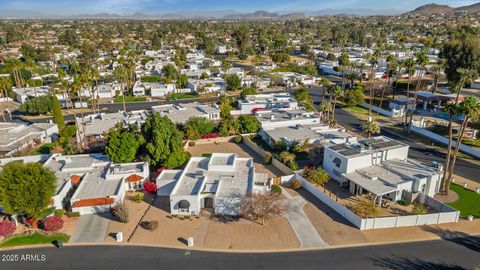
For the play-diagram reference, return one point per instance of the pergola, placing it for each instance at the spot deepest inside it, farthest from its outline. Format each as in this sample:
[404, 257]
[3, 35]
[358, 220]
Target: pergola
[358, 185]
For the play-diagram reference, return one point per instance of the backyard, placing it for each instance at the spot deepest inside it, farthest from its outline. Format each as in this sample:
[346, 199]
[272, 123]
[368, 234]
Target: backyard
[468, 202]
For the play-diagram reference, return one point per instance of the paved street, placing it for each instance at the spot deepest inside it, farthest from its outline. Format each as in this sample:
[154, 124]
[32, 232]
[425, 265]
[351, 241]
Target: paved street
[302, 226]
[90, 228]
[461, 253]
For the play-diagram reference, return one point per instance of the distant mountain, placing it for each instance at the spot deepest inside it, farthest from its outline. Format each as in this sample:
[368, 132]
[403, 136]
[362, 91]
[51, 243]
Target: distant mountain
[355, 12]
[443, 9]
[475, 8]
[431, 9]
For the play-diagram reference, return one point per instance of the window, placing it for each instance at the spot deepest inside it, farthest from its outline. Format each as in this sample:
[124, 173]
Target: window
[337, 162]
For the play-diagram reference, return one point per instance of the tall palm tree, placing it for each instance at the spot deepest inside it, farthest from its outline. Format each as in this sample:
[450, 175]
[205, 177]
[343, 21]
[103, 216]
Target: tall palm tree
[410, 66]
[470, 108]
[437, 73]
[336, 92]
[121, 75]
[422, 61]
[452, 110]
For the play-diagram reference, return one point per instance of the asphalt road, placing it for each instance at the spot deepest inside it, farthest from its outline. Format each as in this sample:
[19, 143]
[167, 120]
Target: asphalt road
[462, 253]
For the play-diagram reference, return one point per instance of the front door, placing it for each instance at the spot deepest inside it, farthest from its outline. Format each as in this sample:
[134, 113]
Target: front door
[208, 202]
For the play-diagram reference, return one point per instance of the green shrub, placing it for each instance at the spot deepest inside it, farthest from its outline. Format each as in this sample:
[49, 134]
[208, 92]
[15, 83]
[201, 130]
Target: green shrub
[151, 225]
[276, 189]
[419, 209]
[403, 202]
[138, 198]
[59, 213]
[191, 143]
[292, 165]
[238, 139]
[72, 214]
[267, 159]
[296, 185]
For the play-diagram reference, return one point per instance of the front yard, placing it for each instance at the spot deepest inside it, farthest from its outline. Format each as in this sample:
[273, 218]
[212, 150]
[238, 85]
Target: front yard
[129, 99]
[468, 202]
[33, 239]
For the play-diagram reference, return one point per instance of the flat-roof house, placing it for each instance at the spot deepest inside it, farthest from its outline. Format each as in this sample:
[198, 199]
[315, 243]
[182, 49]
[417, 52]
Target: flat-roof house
[96, 125]
[97, 182]
[380, 166]
[476, 84]
[180, 113]
[24, 93]
[286, 117]
[15, 137]
[251, 103]
[317, 134]
[218, 182]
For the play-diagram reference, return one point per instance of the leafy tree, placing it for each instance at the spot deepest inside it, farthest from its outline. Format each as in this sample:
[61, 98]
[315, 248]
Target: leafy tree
[26, 188]
[461, 53]
[122, 144]
[151, 79]
[233, 82]
[38, 105]
[354, 96]
[229, 126]
[225, 106]
[196, 127]
[169, 72]
[248, 91]
[249, 124]
[57, 113]
[164, 142]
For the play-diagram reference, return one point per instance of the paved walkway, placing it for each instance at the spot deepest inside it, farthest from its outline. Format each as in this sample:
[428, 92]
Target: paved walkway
[302, 226]
[90, 228]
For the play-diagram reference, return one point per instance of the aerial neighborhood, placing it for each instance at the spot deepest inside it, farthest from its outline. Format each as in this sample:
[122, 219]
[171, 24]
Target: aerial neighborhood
[247, 132]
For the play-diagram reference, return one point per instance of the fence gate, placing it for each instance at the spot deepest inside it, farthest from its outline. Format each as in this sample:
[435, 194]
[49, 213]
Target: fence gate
[276, 180]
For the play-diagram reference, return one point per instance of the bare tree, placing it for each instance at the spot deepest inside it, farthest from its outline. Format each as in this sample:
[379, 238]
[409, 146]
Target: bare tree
[260, 206]
[121, 212]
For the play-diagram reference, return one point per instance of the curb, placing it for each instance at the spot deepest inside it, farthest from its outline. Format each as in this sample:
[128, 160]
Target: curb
[246, 251]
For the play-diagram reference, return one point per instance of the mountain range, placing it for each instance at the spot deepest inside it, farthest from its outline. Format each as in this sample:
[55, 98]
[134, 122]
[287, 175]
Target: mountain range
[444, 9]
[234, 15]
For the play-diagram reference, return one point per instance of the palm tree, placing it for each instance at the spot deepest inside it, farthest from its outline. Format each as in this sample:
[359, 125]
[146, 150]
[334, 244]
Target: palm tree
[452, 110]
[410, 66]
[336, 92]
[121, 75]
[422, 61]
[325, 83]
[437, 73]
[370, 128]
[470, 108]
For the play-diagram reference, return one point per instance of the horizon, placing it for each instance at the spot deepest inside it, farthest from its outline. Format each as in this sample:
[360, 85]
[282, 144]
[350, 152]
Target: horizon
[153, 7]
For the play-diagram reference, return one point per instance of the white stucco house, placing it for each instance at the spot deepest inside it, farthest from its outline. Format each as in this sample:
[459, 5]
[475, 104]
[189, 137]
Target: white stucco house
[380, 166]
[218, 182]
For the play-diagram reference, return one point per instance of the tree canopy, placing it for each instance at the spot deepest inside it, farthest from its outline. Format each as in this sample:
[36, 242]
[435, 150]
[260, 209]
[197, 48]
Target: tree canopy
[164, 142]
[122, 144]
[26, 188]
[196, 127]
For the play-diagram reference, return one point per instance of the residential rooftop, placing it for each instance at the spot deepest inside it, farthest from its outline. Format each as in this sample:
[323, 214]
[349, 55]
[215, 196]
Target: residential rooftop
[364, 147]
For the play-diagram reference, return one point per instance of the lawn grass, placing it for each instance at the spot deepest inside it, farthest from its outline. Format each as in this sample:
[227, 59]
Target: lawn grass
[33, 239]
[129, 99]
[178, 96]
[206, 154]
[468, 202]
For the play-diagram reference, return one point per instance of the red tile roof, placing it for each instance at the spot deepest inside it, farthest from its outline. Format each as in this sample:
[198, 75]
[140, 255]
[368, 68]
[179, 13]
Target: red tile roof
[134, 178]
[93, 202]
[74, 179]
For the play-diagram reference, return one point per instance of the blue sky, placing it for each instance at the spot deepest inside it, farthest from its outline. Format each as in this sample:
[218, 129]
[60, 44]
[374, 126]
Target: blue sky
[69, 7]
